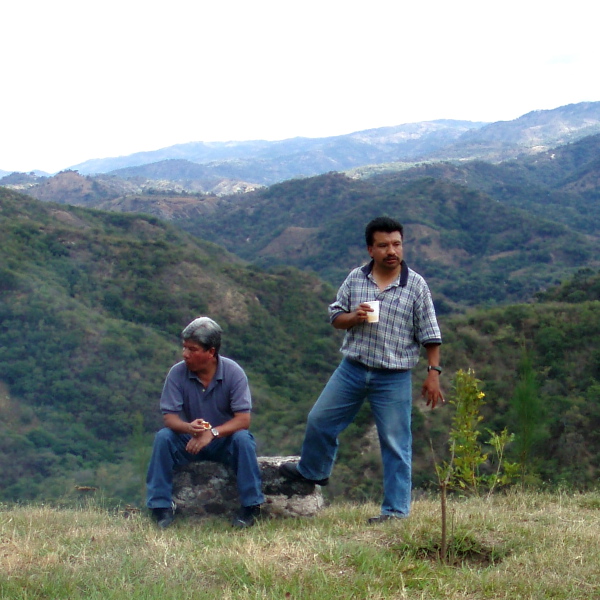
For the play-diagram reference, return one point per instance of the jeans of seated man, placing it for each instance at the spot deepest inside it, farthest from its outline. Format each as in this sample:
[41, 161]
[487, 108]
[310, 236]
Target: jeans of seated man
[237, 451]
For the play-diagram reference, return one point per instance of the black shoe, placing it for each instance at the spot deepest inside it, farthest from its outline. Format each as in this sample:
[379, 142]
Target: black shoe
[290, 471]
[382, 518]
[246, 516]
[163, 516]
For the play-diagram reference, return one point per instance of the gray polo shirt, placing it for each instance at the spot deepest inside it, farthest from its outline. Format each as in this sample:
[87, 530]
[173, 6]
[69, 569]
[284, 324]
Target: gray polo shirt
[227, 393]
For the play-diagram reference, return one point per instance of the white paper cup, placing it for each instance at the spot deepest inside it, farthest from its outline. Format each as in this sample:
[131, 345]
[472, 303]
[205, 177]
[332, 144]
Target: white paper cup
[373, 317]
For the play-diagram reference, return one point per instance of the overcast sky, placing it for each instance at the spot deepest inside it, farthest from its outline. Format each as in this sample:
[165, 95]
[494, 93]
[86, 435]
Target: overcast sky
[85, 79]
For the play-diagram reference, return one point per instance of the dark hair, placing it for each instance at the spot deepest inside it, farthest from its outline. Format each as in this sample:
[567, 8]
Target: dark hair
[205, 332]
[385, 224]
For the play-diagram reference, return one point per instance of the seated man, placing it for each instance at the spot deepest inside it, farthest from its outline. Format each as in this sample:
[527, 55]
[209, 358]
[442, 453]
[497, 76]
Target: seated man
[204, 388]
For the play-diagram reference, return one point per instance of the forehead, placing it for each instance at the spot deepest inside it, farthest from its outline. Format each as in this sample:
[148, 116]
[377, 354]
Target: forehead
[382, 237]
[191, 345]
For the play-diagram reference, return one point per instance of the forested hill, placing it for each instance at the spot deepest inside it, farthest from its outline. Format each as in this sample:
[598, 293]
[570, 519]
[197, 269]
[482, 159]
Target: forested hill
[472, 248]
[562, 184]
[91, 307]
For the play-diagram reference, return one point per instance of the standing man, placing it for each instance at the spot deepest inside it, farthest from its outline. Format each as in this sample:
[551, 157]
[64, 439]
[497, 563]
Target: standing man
[377, 363]
[204, 388]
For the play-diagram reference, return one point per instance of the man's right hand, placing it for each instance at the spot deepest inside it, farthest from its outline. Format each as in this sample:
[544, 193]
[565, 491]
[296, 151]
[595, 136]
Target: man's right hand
[359, 315]
[198, 426]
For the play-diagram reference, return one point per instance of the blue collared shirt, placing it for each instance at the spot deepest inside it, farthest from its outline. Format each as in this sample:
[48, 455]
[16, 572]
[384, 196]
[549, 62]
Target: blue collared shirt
[228, 393]
[406, 319]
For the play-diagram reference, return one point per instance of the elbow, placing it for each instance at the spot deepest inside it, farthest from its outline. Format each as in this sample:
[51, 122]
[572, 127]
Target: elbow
[336, 321]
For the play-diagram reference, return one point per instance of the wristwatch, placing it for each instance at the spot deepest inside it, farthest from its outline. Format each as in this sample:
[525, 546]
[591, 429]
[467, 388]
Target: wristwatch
[432, 368]
[215, 432]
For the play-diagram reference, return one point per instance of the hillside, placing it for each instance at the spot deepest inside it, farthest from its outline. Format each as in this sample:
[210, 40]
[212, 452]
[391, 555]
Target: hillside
[561, 184]
[92, 304]
[269, 162]
[472, 249]
[534, 132]
[508, 230]
[111, 192]
[225, 167]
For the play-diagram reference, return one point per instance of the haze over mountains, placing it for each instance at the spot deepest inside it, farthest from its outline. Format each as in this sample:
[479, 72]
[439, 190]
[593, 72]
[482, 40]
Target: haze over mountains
[264, 163]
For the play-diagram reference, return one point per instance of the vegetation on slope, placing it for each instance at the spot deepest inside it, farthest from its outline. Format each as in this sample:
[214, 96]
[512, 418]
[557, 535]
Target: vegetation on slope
[92, 304]
[559, 185]
[472, 250]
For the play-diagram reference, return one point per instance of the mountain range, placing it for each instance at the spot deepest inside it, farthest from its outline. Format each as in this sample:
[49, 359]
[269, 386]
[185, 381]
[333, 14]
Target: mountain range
[224, 167]
[508, 229]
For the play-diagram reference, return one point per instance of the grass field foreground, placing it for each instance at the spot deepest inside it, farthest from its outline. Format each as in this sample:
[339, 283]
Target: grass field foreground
[517, 546]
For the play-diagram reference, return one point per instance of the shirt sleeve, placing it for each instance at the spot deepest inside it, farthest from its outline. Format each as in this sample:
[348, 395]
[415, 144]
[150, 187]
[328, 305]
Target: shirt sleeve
[171, 399]
[342, 301]
[426, 327]
[239, 391]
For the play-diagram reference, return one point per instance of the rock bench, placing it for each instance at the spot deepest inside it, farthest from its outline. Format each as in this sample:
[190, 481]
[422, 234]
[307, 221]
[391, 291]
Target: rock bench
[207, 489]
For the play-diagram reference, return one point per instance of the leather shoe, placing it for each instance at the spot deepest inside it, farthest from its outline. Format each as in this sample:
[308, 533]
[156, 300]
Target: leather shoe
[290, 471]
[382, 518]
[163, 516]
[246, 516]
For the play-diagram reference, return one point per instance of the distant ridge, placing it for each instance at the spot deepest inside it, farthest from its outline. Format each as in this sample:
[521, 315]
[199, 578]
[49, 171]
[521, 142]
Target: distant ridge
[299, 157]
[264, 163]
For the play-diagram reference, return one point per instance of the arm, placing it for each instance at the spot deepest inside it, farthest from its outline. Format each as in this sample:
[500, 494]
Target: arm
[431, 390]
[203, 437]
[340, 312]
[346, 320]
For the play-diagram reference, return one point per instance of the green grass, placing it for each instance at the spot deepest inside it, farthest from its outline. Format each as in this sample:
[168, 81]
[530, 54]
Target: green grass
[517, 546]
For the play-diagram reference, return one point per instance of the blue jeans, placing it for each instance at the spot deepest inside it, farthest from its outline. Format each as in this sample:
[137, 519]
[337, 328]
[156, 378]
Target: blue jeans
[237, 451]
[390, 396]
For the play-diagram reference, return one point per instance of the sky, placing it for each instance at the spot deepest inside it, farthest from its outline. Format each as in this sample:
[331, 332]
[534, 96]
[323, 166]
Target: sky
[88, 79]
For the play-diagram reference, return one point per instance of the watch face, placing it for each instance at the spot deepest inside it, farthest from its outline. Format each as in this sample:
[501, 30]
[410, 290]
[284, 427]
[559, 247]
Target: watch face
[214, 432]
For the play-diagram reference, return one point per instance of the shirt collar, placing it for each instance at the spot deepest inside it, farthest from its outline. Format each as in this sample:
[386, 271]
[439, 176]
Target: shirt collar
[218, 373]
[403, 279]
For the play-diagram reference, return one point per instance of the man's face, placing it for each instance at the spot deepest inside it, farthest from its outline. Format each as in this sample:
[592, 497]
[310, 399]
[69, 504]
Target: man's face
[386, 250]
[195, 356]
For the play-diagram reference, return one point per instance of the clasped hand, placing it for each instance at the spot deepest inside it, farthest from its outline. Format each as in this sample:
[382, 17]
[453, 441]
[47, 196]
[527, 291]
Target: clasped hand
[201, 436]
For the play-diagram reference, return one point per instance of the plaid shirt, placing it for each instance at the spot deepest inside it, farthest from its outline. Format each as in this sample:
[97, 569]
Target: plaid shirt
[406, 319]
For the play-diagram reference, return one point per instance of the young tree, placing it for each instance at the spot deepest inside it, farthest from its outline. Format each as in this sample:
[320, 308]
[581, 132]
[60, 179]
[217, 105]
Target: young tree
[463, 471]
[527, 415]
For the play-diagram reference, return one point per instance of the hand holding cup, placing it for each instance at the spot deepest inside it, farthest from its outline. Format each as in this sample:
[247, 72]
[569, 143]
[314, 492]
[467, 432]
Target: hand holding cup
[373, 315]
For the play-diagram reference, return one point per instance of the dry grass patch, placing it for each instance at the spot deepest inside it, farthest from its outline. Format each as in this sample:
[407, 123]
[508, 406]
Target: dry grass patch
[514, 546]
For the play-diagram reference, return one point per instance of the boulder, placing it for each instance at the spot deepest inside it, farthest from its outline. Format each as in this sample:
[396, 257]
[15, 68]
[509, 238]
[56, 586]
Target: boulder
[206, 489]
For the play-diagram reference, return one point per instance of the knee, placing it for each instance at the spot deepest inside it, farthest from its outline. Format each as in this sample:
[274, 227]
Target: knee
[163, 436]
[242, 438]
[315, 419]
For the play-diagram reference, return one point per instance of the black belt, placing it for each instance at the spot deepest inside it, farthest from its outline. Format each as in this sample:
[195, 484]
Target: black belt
[357, 363]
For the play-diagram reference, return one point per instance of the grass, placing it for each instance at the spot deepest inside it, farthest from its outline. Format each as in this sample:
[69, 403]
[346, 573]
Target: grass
[517, 546]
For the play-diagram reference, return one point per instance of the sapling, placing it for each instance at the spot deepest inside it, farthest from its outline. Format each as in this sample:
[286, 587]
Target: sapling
[463, 471]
